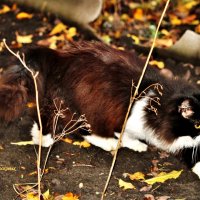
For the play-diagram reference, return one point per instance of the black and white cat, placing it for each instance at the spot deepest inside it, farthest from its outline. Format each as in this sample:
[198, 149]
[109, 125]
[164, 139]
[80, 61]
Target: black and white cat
[94, 79]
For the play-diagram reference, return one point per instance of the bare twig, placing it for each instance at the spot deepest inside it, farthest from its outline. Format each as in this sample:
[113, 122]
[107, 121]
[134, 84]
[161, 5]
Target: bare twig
[72, 125]
[34, 76]
[132, 99]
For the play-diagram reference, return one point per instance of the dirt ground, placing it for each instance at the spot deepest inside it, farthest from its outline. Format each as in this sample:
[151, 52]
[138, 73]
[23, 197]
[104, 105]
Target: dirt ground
[83, 171]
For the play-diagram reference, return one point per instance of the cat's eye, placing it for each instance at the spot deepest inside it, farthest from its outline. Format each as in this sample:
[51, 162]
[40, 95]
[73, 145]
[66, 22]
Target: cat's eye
[197, 126]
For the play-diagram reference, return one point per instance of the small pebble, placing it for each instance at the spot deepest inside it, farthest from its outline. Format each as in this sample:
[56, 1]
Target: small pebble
[56, 181]
[80, 185]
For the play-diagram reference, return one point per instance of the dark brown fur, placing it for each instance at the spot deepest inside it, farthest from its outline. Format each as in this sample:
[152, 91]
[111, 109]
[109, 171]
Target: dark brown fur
[94, 79]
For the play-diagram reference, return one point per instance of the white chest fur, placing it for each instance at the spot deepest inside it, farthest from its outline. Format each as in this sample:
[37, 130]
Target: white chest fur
[137, 128]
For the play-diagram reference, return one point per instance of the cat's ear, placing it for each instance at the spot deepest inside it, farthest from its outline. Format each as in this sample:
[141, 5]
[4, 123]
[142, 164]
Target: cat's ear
[186, 109]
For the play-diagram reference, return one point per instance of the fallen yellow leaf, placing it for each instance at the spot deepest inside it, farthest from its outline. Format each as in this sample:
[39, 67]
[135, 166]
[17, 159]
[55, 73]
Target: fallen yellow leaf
[136, 176]
[165, 32]
[126, 185]
[124, 17]
[159, 64]
[46, 195]
[58, 29]
[190, 4]
[175, 20]
[25, 39]
[32, 173]
[5, 9]
[71, 32]
[22, 143]
[32, 196]
[163, 176]
[106, 38]
[84, 144]
[70, 196]
[52, 41]
[164, 42]
[24, 15]
[135, 38]
[67, 140]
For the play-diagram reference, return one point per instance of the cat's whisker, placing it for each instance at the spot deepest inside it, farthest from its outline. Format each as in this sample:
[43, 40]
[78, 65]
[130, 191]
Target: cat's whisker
[193, 154]
[196, 153]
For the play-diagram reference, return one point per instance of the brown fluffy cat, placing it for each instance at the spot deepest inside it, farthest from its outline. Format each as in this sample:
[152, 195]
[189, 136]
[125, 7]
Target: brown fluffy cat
[94, 79]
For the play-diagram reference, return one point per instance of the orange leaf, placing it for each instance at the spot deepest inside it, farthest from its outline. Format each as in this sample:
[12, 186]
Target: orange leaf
[70, 196]
[138, 15]
[197, 28]
[14, 7]
[31, 105]
[189, 19]
[67, 140]
[24, 15]
[5, 9]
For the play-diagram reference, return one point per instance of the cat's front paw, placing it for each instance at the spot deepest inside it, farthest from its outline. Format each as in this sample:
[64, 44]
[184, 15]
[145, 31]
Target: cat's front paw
[132, 143]
[135, 145]
[140, 147]
[196, 169]
[47, 140]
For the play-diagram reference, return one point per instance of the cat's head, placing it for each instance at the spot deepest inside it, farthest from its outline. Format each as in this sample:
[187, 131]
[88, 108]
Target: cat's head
[189, 109]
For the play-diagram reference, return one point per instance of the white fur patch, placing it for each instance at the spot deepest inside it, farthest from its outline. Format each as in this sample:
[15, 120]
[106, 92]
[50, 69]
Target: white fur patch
[107, 144]
[181, 142]
[47, 140]
[136, 129]
[196, 169]
[131, 143]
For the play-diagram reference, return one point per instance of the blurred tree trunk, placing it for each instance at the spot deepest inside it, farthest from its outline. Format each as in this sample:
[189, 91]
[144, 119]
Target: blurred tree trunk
[79, 11]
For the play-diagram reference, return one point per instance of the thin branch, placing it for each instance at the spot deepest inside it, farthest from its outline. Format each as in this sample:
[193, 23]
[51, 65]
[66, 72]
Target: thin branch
[132, 99]
[34, 76]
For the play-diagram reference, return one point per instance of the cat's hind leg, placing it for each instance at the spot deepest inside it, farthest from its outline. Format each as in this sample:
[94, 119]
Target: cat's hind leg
[47, 140]
[132, 143]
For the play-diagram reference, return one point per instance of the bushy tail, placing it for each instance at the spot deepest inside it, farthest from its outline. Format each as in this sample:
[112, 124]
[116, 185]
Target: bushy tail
[13, 93]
